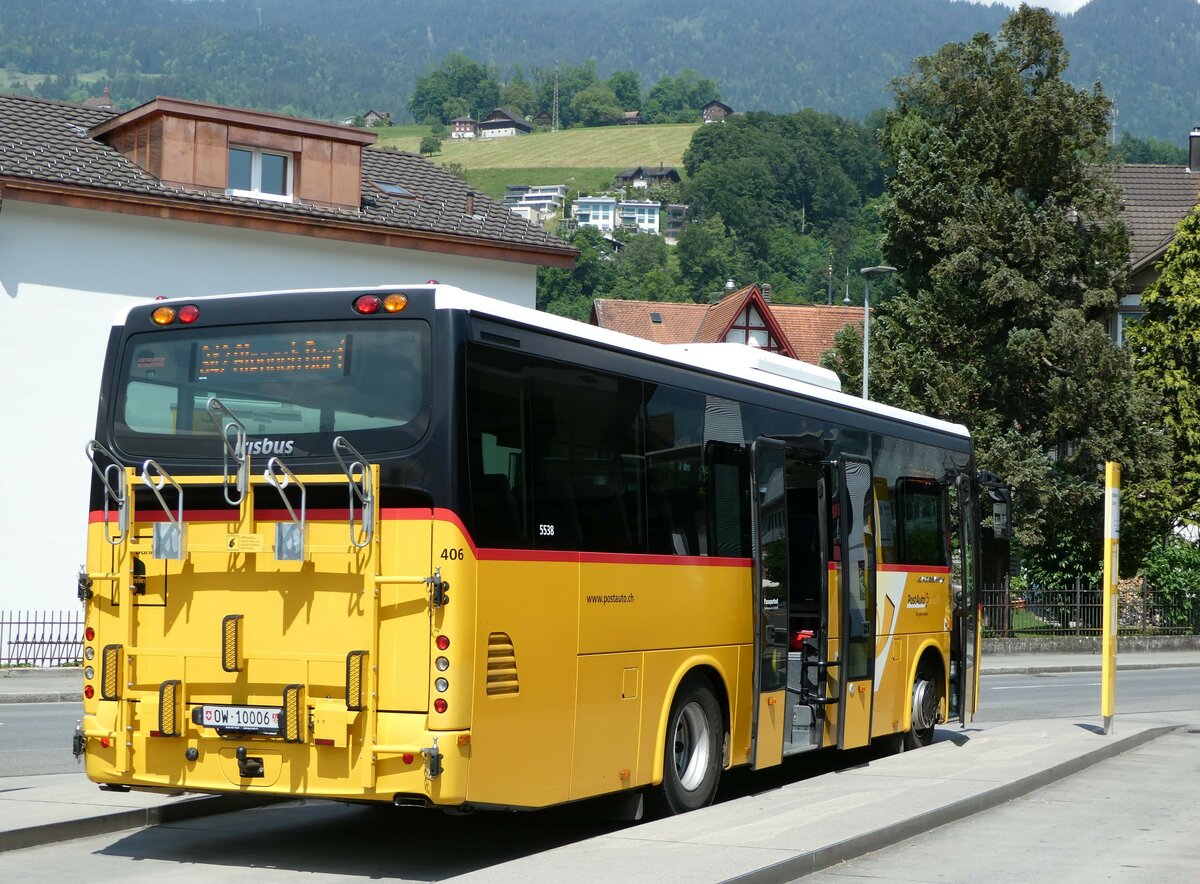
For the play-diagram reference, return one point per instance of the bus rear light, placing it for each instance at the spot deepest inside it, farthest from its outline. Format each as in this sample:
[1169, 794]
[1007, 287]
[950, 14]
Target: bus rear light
[407, 757]
[395, 303]
[442, 664]
[156, 733]
[89, 673]
[89, 634]
[442, 685]
[189, 313]
[322, 741]
[442, 642]
[89, 653]
[89, 691]
[105, 742]
[163, 315]
[367, 304]
[439, 705]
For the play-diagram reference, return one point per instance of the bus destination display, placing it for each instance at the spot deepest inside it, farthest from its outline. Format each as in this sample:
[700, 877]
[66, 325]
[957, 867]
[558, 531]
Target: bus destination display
[272, 357]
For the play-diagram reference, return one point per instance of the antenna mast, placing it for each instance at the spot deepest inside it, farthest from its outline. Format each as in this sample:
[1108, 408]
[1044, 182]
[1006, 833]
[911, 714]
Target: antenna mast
[554, 125]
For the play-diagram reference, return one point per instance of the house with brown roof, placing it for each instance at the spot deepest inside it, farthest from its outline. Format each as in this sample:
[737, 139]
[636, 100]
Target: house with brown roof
[745, 316]
[180, 198]
[1155, 199]
[647, 176]
[715, 111]
[501, 123]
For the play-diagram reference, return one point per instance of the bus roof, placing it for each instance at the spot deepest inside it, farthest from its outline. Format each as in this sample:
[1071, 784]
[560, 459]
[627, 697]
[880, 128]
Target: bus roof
[736, 361]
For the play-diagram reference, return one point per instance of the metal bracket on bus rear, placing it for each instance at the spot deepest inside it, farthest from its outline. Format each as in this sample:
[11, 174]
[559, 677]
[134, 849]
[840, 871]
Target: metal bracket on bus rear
[291, 540]
[170, 540]
[218, 410]
[363, 489]
[113, 479]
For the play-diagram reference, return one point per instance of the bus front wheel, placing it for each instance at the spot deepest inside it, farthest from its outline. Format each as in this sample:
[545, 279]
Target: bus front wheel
[692, 752]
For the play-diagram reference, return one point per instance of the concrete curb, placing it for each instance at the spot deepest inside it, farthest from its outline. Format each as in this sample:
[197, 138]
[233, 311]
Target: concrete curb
[69, 830]
[822, 858]
[1088, 667]
[46, 697]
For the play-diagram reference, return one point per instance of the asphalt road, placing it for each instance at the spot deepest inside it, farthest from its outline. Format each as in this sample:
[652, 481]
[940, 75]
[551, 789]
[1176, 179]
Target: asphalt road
[1071, 694]
[35, 738]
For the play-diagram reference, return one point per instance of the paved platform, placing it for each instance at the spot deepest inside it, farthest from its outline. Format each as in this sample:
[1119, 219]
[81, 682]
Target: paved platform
[781, 835]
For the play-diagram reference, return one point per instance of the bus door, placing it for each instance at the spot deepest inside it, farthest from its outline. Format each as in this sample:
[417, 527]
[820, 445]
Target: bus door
[852, 523]
[769, 542]
[964, 637]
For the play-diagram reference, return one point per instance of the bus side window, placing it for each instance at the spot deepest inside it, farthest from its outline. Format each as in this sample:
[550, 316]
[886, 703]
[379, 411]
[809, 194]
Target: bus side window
[728, 468]
[496, 451]
[922, 523]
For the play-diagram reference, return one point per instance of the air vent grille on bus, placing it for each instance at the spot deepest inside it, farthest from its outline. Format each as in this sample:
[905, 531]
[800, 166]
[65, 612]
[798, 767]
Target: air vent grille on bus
[501, 666]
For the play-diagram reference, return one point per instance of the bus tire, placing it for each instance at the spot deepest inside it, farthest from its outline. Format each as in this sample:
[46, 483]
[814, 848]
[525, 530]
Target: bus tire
[925, 704]
[692, 749]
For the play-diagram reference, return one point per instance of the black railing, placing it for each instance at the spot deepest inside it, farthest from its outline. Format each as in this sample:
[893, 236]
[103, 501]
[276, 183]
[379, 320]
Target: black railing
[1078, 609]
[41, 638]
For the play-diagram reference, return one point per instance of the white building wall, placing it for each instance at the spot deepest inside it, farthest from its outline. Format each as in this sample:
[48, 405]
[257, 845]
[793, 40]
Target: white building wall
[64, 273]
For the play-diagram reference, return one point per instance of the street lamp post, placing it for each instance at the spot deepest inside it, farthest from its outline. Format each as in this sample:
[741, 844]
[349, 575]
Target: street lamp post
[869, 273]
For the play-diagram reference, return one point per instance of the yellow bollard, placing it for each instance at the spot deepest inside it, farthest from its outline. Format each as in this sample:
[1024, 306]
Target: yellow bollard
[1112, 544]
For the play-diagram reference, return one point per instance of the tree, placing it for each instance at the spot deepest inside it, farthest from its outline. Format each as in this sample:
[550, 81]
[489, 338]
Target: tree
[517, 95]
[1166, 347]
[679, 99]
[1150, 150]
[1002, 220]
[571, 292]
[595, 106]
[627, 87]
[430, 144]
[458, 86]
[708, 256]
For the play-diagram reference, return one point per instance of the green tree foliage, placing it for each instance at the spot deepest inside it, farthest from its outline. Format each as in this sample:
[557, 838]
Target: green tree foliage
[572, 79]
[1150, 150]
[595, 106]
[517, 95]
[1173, 569]
[797, 192]
[1166, 347]
[458, 86]
[708, 256]
[570, 292]
[1002, 220]
[430, 144]
[627, 87]
[679, 99]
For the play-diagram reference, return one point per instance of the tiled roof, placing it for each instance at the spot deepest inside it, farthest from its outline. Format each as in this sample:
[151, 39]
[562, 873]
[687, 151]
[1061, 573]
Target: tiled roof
[809, 328]
[1156, 199]
[48, 141]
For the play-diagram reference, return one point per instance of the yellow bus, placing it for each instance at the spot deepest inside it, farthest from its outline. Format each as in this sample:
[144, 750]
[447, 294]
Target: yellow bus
[415, 545]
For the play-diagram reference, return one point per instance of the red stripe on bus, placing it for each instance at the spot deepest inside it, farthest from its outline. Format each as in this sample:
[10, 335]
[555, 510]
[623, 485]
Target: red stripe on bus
[914, 569]
[573, 557]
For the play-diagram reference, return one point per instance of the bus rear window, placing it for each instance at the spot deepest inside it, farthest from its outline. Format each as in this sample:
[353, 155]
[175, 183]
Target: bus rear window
[295, 386]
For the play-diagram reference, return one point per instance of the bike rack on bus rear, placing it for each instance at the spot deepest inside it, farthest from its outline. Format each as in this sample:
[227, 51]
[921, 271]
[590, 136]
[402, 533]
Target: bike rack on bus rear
[113, 479]
[363, 489]
[291, 539]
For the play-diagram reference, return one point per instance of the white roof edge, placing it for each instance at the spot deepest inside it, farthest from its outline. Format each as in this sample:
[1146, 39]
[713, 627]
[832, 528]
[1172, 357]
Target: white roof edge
[448, 297]
[451, 298]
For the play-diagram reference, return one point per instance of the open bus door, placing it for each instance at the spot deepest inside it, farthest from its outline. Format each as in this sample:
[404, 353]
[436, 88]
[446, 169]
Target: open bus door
[985, 526]
[965, 635]
[769, 542]
[854, 554]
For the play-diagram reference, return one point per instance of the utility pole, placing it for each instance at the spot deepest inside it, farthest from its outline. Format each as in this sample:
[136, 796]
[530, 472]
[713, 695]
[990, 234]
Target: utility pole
[554, 123]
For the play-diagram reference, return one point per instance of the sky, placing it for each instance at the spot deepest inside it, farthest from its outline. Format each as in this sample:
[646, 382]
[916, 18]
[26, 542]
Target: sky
[1052, 5]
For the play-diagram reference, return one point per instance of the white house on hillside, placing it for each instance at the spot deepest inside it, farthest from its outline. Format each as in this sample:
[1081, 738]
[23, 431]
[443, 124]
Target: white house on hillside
[178, 198]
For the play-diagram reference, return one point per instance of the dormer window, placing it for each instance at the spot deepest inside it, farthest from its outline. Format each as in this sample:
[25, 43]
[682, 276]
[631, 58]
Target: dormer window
[258, 173]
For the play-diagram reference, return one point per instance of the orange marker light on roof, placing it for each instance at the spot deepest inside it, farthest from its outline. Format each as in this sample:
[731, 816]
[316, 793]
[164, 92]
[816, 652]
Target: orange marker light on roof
[163, 315]
[395, 303]
[367, 304]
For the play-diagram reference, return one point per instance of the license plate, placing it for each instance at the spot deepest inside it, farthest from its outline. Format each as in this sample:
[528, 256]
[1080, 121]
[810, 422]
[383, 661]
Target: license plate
[238, 719]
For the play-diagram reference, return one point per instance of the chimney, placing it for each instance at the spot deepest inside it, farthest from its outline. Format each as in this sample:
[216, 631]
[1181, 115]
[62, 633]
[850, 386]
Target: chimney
[1194, 150]
[470, 203]
[766, 292]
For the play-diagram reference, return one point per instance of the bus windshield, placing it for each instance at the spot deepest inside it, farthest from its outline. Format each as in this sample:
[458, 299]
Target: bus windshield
[295, 386]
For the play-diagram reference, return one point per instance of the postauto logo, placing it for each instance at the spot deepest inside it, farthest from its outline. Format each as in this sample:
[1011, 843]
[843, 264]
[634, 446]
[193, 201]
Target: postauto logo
[267, 445]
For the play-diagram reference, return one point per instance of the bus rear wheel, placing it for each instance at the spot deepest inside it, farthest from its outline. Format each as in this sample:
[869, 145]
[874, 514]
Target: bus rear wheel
[925, 705]
[692, 751]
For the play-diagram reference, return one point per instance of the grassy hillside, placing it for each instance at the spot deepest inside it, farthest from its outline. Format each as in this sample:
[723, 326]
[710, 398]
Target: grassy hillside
[584, 159]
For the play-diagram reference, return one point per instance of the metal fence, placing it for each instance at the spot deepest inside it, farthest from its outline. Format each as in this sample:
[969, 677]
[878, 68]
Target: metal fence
[1078, 609]
[41, 638]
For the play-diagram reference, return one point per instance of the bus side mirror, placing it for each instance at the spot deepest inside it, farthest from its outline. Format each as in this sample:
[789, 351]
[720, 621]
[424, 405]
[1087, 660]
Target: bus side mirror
[1001, 520]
